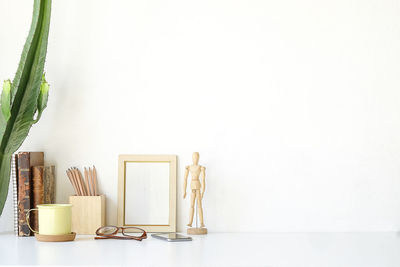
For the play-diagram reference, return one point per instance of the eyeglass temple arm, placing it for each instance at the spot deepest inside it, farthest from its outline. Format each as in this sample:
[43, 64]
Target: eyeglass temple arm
[119, 237]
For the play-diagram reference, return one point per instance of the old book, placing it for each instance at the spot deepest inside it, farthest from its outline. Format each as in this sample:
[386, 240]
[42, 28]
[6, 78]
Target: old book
[25, 161]
[24, 191]
[37, 193]
[14, 179]
[49, 184]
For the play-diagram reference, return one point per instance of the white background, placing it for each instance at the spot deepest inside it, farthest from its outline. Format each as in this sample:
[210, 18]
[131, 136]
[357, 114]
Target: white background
[294, 106]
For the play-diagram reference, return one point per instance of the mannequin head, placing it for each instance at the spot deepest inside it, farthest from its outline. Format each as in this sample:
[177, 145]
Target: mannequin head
[195, 158]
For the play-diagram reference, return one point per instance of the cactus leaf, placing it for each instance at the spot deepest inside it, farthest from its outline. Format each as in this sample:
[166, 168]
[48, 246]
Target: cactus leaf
[25, 91]
[43, 97]
[6, 100]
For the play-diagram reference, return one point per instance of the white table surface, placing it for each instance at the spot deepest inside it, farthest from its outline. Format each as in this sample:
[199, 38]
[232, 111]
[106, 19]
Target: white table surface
[215, 249]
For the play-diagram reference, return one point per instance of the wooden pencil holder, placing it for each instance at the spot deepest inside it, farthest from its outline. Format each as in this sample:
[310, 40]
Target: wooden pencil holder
[88, 213]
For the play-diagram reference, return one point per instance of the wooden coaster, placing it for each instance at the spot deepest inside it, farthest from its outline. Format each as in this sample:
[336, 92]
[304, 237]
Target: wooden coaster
[197, 231]
[55, 238]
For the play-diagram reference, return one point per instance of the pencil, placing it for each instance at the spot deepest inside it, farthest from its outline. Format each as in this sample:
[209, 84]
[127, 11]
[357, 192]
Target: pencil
[78, 172]
[75, 181]
[91, 181]
[87, 182]
[78, 182]
[95, 180]
[72, 182]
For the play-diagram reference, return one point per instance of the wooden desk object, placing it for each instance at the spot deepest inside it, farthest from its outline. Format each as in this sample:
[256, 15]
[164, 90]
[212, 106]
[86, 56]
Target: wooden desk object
[197, 188]
[88, 213]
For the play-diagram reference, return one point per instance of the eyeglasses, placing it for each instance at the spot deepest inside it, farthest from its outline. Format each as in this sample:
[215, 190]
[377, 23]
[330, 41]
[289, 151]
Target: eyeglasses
[110, 232]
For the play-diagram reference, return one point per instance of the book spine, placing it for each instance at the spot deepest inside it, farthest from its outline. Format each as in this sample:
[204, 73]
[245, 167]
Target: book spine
[37, 193]
[14, 177]
[49, 184]
[24, 191]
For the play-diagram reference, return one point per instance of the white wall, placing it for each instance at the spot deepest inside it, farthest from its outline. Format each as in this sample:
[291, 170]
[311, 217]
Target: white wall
[294, 106]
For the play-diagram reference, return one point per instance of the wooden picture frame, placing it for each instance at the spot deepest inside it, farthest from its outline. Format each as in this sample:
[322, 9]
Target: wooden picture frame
[172, 160]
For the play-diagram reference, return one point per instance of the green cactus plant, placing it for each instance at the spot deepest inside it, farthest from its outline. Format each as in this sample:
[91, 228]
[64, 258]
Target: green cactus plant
[23, 101]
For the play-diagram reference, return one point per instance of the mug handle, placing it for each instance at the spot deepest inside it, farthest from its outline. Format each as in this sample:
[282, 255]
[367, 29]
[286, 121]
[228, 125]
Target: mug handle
[27, 220]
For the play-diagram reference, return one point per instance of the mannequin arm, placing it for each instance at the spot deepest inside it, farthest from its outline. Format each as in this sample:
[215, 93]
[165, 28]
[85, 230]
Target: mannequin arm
[203, 181]
[185, 181]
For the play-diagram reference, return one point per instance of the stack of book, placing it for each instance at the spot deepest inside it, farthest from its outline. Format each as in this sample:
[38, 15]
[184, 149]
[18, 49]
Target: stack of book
[33, 184]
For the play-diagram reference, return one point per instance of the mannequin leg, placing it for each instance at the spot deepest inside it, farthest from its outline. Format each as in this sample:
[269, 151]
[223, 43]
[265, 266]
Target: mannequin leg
[192, 200]
[200, 207]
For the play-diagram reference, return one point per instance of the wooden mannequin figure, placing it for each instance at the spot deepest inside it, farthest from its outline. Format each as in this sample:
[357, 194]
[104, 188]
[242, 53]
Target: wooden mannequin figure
[197, 193]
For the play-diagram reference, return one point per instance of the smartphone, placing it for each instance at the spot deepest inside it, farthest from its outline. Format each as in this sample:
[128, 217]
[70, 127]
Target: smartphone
[172, 237]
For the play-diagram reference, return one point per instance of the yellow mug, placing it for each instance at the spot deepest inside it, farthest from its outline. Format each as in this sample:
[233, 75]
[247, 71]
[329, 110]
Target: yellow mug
[54, 219]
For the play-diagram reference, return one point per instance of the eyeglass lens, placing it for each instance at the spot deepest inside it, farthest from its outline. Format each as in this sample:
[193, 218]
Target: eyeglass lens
[132, 231]
[108, 230]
